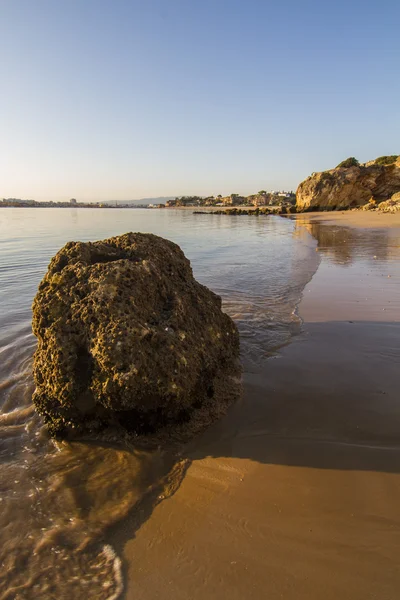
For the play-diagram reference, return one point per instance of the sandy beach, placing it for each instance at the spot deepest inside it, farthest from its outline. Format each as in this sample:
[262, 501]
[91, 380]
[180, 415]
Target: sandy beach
[295, 493]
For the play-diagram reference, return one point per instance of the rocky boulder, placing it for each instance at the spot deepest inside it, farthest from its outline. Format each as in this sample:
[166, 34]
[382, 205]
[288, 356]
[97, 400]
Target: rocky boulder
[392, 205]
[126, 337]
[350, 185]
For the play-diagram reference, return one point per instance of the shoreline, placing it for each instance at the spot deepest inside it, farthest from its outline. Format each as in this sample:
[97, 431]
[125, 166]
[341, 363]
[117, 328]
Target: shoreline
[297, 480]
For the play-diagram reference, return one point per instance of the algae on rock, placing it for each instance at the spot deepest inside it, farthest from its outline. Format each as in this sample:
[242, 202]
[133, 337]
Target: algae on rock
[126, 337]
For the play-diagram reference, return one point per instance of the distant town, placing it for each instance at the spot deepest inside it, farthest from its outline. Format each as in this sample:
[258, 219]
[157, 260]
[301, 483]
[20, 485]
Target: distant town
[262, 198]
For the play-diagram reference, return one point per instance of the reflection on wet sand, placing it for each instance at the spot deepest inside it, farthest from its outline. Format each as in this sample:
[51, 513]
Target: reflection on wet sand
[367, 287]
[344, 245]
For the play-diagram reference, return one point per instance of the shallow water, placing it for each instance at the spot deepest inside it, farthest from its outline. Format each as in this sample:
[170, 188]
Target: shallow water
[58, 499]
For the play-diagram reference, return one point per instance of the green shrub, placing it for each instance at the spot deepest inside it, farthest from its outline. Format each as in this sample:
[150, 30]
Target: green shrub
[386, 160]
[349, 162]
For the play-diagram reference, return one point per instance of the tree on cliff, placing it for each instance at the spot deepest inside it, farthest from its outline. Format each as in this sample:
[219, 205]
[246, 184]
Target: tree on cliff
[349, 162]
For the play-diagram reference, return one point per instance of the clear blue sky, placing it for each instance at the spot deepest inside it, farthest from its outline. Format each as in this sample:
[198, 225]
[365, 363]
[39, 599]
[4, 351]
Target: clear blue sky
[130, 99]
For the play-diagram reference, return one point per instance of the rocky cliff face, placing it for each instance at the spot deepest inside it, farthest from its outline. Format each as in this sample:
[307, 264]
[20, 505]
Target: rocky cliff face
[127, 337]
[350, 186]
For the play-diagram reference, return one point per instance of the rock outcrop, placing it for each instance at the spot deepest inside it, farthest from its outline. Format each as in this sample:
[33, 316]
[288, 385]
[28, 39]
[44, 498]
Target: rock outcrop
[350, 185]
[126, 337]
[391, 206]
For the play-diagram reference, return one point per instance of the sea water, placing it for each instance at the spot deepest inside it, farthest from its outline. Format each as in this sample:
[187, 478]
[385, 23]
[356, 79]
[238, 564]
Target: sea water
[59, 499]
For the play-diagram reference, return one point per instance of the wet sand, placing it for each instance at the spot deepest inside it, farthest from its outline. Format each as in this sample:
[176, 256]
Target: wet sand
[357, 218]
[295, 493]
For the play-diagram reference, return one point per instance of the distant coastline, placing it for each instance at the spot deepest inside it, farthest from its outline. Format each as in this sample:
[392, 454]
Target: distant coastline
[17, 203]
[260, 199]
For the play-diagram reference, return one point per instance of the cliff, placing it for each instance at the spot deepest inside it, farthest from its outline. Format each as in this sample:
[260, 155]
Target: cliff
[350, 184]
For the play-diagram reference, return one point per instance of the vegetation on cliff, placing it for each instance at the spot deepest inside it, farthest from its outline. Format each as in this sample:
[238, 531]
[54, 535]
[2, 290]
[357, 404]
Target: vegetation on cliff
[349, 162]
[387, 160]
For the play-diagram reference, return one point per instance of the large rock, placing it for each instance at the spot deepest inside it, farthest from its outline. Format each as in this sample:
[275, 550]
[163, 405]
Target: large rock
[350, 185]
[126, 336]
